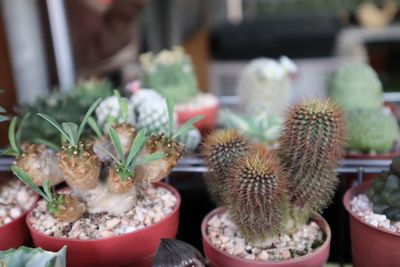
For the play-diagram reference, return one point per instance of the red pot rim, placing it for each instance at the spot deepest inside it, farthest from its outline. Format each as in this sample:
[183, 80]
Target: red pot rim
[326, 243]
[157, 184]
[355, 191]
[388, 155]
[196, 109]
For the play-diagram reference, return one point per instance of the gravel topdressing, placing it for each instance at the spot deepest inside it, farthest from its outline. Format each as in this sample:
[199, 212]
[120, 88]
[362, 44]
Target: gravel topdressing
[15, 199]
[224, 234]
[154, 204]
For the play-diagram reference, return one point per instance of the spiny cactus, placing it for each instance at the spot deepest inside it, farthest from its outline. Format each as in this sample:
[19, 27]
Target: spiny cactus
[220, 149]
[356, 86]
[371, 130]
[385, 192]
[311, 145]
[257, 197]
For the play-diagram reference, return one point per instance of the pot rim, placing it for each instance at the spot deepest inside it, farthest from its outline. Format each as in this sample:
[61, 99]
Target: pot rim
[320, 249]
[25, 212]
[387, 155]
[63, 239]
[357, 190]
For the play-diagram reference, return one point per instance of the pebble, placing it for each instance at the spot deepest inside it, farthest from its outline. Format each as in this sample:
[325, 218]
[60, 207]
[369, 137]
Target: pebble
[224, 234]
[15, 199]
[362, 207]
[151, 208]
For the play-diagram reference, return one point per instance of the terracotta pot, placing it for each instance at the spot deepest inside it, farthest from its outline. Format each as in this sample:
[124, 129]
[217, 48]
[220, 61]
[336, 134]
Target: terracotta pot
[206, 124]
[133, 249]
[16, 233]
[220, 258]
[370, 245]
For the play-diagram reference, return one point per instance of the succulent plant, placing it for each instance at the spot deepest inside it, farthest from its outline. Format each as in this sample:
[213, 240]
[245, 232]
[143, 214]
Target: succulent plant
[63, 106]
[78, 162]
[220, 149]
[170, 72]
[385, 192]
[124, 174]
[3, 117]
[356, 86]
[257, 197]
[63, 207]
[39, 161]
[371, 130]
[311, 146]
[33, 257]
[265, 86]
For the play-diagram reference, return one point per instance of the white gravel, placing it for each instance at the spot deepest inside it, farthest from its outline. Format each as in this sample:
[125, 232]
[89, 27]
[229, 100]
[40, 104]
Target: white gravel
[15, 199]
[362, 207]
[154, 204]
[201, 100]
[225, 235]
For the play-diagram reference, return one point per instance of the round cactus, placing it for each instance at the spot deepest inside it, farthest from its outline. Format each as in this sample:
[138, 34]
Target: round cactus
[256, 189]
[356, 86]
[371, 130]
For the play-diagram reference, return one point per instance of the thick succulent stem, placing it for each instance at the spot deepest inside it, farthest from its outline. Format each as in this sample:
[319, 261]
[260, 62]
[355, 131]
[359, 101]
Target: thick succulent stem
[311, 146]
[67, 208]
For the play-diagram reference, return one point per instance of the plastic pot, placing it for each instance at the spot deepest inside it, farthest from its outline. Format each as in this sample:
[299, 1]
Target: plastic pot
[371, 246]
[220, 258]
[207, 123]
[16, 233]
[132, 249]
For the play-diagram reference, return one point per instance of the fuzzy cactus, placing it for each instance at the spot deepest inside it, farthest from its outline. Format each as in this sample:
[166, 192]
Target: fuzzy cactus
[371, 130]
[385, 192]
[220, 149]
[311, 146]
[170, 72]
[265, 86]
[257, 197]
[356, 86]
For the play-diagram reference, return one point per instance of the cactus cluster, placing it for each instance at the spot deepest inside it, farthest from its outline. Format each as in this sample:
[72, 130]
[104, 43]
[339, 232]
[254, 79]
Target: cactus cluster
[370, 127]
[267, 194]
[385, 192]
[98, 184]
[170, 72]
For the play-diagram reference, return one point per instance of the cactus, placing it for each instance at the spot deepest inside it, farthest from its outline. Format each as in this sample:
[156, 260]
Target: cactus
[220, 149]
[257, 197]
[371, 130]
[265, 86]
[170, 72]
[356, 86]
[385, 192]
[311, 146]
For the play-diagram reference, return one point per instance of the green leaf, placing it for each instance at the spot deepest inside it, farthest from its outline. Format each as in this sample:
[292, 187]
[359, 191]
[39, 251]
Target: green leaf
[10, 152]
[117, 143]
[187, 126]
[3, 118]
[11, 137]
[123, 104]
[95, 127]
[24, 177]
[108, 153]
[87, 115]
[149, 158]
[47, 189]
[20, 127]
[72, 130]
[56, 125]
[136, 147]
[49, 144]
[33, 257]
[170, 107]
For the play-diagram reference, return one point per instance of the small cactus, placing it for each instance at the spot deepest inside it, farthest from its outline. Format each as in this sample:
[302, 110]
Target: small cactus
[311, 146]
[257, 195]
[220, 149]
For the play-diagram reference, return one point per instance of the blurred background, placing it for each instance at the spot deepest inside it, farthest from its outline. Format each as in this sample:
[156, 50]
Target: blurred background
[48, 46]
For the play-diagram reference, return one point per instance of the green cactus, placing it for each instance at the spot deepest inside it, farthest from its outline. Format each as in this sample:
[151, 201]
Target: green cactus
[311, 146]
[257, 198]
[371, 130]
[170, 72]
[385, 192]
[356, 86]
[220, 149]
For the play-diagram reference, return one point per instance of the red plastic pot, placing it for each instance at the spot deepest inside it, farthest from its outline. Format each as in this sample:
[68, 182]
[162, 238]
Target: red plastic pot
[207, 123]
[133, 249]
[371, 246]
[15, 233]
[220, 258]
